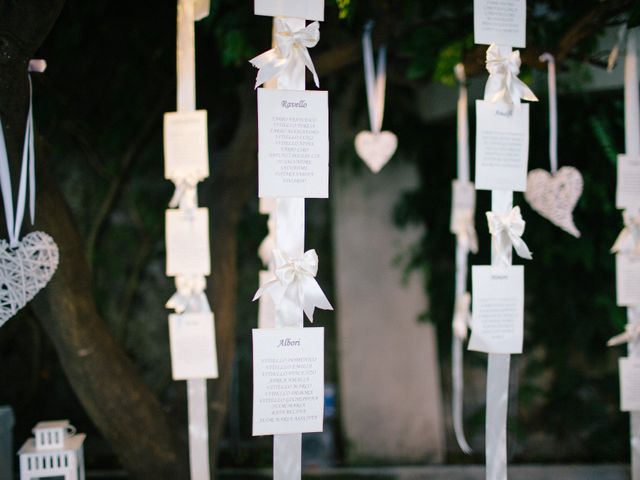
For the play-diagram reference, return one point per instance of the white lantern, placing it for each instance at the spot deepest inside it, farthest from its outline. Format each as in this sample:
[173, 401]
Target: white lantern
[55, 450]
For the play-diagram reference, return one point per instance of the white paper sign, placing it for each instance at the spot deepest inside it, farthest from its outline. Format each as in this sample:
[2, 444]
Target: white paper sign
[502, 22]
[629, 384]
[463, 202]
[628, 185]
[192, 341]
[293, 143]
[627, 280]
[186, 151]
[187, 240]
[288, 380]
[502, 146]
[307, 9]
[497, 309]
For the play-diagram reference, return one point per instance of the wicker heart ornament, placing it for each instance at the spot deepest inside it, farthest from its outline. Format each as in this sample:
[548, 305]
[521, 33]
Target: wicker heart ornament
[376, 149]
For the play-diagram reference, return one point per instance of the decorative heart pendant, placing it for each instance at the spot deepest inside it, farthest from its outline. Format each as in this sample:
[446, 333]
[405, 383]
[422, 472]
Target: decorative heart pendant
[555, 196]
[376, 149]
[24, 271]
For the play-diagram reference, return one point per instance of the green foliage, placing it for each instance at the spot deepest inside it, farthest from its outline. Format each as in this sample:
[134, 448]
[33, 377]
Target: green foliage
[448, 58]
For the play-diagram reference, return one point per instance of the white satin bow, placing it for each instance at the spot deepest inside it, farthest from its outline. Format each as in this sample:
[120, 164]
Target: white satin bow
[185, 194]
[631, 334]
[295, 280]
[190, 296]
[290, 47]
[629, 239]
[465, 231]
[462, 316]
[503, 83]
[507, 230]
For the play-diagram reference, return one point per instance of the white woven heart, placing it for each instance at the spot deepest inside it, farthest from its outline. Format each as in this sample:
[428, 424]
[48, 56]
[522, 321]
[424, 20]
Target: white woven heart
[24, 271]
[376, 149]
[555, 196]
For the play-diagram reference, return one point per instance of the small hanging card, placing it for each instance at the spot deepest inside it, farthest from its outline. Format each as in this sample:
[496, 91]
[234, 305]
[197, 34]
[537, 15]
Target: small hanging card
[502, 22]
[187, 239]
[627, 280]
[186, 151]
[628, 185]
[288, 380]
[192, 341]
[629, 384]
[463, 203]
[307, 9]
[497, 309]
[502, 146]
[293, 143]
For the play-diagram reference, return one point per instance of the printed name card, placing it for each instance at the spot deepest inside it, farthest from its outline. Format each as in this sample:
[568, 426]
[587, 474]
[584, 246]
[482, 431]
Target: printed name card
[293, 143]
[307, 9]
[502, 22]
[186, 151]
[463, 203]
[502, 146]
[192, 342]
[627, 280]
[497, 309]
[288, 380]
[187, 240]
[629, 384]
[628, 185]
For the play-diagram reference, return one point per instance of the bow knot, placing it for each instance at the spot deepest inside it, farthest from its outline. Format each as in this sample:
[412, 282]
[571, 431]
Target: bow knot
[462, 316]
[190, 296]
[291, 49]
[503, 83]
[629, 239]
[507, 230]
[185, 194]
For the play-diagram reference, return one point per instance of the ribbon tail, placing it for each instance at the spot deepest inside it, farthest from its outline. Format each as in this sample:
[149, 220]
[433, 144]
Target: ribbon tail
[269, 65]
[618, 340]
[521, 248]
[314, 297]
[523, 91]
[306, 58]
[622, 243]
[177, 302]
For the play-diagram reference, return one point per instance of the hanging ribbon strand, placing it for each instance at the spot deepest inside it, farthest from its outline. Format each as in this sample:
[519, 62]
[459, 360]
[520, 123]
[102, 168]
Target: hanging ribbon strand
[553, 110]
[631, 334]
[629, 239]
[503, 84]
[291, 49]
[462, 316]
[507, 231]
[375, 81]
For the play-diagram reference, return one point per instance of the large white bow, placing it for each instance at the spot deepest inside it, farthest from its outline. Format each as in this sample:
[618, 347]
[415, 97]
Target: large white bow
[503, 84]
[464, 228]
[290, 47]
[629, 239]
[295, 280]
[507, 230]
[631, 334]
[190, 296]
[462, 316]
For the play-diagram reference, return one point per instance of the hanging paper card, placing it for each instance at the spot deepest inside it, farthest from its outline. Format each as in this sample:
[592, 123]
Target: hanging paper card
[502, 148]
[463, 204]
[293, 137]
[186, 152]
[187, 239]
[288, 380]
[498, 309]
[193, 346]
[628, 185]
[307, 9]
[502, 22]
[628, 280]
[629, 384]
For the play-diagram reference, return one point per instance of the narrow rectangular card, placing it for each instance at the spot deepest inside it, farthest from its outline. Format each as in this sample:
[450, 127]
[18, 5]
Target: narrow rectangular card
[288, 380]
[187, 240]
[463, 202]
[502, 22]
[192, 340]
[629, 384]
[627, 280]
[502, 146]
[307, 9]
[497, 309]
[628, 184]
[186, 150]
[293, 143]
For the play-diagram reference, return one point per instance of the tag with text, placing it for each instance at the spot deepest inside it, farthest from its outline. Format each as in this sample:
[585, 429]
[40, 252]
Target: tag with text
[502, 22]
[463, 203]
[628, 184]
[307, 9]
[288, 380]
[629, 384]
[192, 341]
[502, 146]
[627, 280]
[497, 309]
[293, 143]
[186, 151]
[187, 240]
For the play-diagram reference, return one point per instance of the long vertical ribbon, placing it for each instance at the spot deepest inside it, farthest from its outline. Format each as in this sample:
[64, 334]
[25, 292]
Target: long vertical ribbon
[553, 110]
[375, 79]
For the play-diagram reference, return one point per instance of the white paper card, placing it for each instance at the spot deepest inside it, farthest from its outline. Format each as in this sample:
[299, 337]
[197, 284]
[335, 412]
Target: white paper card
[502, 22]
[627, 280]
[187, 240]
[293, 143]
[628, 184]
[307, 9]
[463, 202]
[629, 384]
[186, 151]
[288, 380]
[192, 341]
[497, 309]
[502, 146]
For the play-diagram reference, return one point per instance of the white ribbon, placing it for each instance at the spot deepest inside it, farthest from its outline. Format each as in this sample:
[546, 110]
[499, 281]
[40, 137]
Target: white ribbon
[462, 316]
[375, 81]
[291, 49]
[465, 230]
[268, 244]
[503, 84]
[295, 280]
[553, 110]
[631, 334]
[629, 239]
[507, 230]
[190, 296]
[185, 195]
